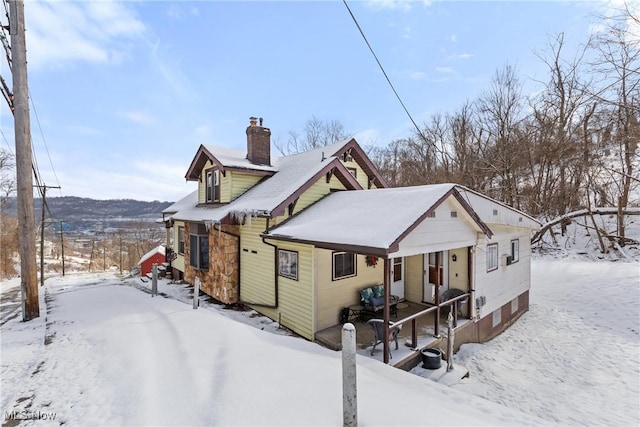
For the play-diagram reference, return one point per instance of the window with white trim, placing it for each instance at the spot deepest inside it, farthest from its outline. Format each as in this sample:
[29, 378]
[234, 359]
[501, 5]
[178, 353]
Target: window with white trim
[181, 240]
[344, 265]
[515, 250]
[288, 264]
[212, 183]
[199, 251]
[492, 257]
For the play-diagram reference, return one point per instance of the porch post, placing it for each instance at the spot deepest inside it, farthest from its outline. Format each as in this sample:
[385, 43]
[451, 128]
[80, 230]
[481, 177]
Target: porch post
[386, 313]
[436, 326]
[470, 276]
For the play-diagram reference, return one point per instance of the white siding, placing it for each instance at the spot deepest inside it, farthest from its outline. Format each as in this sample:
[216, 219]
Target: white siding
[501, 286]
[439, 233]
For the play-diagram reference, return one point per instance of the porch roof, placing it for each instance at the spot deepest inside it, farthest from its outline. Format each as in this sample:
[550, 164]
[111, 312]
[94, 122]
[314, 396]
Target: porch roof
[371, 222]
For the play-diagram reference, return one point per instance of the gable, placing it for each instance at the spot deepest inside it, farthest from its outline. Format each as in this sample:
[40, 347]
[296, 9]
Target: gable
[449, 226]
[352, 155]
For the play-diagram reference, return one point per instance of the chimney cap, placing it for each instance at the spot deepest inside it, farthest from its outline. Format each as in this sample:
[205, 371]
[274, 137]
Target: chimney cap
[253, 121]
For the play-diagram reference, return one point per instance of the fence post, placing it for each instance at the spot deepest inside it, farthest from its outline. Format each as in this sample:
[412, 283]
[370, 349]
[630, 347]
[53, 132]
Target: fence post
[450, 339]
[196, 292]
[349, 385]
[154, 280]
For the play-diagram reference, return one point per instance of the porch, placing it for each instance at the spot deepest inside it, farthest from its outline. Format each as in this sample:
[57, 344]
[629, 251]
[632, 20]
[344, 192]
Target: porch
[409, 314]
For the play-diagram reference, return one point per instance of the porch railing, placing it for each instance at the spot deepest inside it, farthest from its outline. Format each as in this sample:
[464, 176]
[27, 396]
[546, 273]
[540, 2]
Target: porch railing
[435, 309]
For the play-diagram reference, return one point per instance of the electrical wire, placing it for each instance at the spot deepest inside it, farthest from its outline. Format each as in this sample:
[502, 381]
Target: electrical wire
[44, 141]
[383, 70]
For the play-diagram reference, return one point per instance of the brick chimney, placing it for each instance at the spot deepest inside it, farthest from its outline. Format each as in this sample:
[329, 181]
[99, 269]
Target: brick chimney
[258, 143]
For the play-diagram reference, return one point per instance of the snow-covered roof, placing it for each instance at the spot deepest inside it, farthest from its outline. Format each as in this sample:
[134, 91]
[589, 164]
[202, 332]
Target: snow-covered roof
[235, 159]
[372, 219]
[157, 250]
[189, 200]
[293, 172]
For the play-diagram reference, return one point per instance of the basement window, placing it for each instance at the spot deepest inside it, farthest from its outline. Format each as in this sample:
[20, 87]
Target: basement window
[288, 264]
[199, 251]
[344, 265]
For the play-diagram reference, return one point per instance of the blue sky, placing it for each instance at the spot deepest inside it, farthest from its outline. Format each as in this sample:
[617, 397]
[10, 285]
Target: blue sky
[125, 92]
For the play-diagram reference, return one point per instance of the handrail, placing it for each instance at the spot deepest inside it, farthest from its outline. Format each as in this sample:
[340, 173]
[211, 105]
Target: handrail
[432, 309]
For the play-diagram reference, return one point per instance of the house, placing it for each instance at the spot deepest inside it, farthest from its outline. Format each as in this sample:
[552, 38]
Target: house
[298, 237]
[154, 256]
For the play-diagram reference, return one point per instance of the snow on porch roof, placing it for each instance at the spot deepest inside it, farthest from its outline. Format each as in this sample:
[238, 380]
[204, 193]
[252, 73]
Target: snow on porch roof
[371, 221]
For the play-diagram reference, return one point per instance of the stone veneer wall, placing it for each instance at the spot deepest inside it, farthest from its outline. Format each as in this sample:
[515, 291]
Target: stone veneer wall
[221, 280]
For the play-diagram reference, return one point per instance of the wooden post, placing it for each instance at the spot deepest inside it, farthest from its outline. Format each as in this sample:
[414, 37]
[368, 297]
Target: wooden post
[196, 292]
[24, 164]
[436, 327]
[386, 314]
[154, 280]
[349, 383]
[44, 201]
[62, 245]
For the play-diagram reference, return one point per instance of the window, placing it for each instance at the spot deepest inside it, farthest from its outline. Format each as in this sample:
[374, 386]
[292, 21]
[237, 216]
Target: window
[213, 186]
[515, 250]
[492, 257]
[353, 171]
[181, 240]
[288, 264]
[199, 251]
[397, 269]
[454, 214]
[344, 265]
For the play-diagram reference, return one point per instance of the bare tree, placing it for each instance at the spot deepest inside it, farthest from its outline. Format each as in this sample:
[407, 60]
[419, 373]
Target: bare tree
[316, 133]
[8, 223]
[618, 65]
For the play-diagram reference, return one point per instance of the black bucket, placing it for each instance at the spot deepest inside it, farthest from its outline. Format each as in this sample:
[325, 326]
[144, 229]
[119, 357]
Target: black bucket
[431, 358]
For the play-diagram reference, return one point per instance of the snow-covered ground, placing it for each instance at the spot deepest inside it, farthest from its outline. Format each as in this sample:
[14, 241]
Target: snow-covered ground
[104, 352]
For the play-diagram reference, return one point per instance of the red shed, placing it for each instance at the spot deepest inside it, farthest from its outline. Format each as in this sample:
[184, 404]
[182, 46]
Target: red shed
[154, 256]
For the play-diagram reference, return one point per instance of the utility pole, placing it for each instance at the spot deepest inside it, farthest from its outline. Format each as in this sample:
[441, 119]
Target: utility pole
[24, 176]
[44, 205]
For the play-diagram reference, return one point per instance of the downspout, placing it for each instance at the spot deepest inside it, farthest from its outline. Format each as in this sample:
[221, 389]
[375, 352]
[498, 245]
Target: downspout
[275, 273]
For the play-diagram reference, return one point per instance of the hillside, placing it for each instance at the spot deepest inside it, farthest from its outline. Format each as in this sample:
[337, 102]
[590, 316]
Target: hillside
[75, 208]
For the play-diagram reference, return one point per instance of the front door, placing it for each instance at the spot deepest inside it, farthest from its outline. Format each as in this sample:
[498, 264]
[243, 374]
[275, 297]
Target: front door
[397, 277]
[435, 274]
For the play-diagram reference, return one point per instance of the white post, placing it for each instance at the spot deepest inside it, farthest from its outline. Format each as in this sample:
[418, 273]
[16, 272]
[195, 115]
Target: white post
[154, 280]
[196, 292]
[349, 386]
[450, 338]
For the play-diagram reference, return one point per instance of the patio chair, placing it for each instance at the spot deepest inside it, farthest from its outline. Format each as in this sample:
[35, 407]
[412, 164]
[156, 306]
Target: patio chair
[378, 332]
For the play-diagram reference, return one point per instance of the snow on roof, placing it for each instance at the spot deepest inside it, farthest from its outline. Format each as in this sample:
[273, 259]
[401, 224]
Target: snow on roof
[372, 218]
[293, 171]
[235, 159]
[189, 200]
[158, 250]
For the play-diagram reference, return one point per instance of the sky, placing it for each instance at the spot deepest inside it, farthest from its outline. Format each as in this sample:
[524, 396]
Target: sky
[115, 356]
[123, 93]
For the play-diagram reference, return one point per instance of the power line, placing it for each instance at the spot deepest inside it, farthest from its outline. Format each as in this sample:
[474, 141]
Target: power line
[382, 68]
[44, 141]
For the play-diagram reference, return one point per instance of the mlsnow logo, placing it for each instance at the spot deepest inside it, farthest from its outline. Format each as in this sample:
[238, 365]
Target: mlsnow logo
[29, 415]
